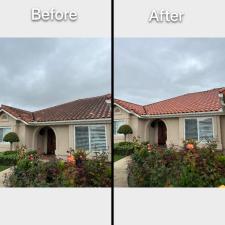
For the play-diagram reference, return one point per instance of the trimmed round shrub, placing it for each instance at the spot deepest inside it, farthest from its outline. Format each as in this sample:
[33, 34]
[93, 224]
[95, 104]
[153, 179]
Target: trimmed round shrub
[11, 137]
[125, 129]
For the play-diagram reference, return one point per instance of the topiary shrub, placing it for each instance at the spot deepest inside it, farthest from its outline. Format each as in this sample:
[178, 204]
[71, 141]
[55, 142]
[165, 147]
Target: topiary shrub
[125, 129]
[11, 137]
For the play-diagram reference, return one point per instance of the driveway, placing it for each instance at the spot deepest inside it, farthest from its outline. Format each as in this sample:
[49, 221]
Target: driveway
[120, 172]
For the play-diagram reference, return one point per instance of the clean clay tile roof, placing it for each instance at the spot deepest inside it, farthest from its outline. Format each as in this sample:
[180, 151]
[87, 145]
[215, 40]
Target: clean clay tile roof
[138, 109]
[82, 109]
[205, 101]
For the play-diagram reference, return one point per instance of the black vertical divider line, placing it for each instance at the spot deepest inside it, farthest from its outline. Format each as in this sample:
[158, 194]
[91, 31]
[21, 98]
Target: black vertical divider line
[112, 103]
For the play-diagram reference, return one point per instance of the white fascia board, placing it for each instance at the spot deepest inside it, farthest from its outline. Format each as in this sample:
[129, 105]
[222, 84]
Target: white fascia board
[73, 122]
[213, 113]
[130, 112]
[15, 118]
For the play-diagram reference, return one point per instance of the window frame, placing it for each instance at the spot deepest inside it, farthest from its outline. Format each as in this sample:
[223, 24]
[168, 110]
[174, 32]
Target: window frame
[199, 119]
[3, 142]
[117, 134]
[89, 137]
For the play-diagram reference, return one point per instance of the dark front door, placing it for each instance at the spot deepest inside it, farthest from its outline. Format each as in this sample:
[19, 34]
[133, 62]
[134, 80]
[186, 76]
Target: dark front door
[51, 142]
[162, 134]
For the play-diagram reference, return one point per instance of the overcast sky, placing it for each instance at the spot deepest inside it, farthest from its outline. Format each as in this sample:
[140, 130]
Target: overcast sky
[149, 70]
[37, 73]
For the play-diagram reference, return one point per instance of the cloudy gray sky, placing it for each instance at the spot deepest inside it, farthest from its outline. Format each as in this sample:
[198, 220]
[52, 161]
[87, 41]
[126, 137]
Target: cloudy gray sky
[153, 69]
[37, 73]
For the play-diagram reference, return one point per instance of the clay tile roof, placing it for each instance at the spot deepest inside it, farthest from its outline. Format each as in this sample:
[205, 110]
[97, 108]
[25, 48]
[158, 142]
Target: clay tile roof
[18, 113]
[138, 109]
[205, 101]
[82, 109]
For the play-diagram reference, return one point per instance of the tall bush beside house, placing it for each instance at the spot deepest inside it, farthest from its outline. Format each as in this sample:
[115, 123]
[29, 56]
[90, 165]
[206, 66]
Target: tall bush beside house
[11, 137]
[125, 130]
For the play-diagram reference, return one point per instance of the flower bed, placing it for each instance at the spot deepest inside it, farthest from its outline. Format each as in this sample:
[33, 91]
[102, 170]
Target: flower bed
[30, 171]
[198, 167]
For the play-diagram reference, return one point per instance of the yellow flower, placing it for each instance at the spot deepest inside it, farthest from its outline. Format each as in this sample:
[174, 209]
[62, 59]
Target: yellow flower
[222, 186]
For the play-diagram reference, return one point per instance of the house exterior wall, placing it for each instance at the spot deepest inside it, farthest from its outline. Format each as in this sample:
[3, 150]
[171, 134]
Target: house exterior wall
[135, 123]
[175, 128]
[121, 115]
[11, 123]
[29, 136]
[222, 127]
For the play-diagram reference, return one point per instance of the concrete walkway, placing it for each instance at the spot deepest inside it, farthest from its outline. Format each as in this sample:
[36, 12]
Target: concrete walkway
[3, 174]
[120, 172]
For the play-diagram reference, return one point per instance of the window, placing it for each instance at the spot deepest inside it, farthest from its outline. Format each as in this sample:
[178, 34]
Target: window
[117, 125]
[3, 132]
[199, 129]
[92, 138]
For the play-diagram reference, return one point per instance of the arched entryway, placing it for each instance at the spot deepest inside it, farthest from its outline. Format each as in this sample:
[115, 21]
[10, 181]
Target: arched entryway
[45, 140]
[160, 132]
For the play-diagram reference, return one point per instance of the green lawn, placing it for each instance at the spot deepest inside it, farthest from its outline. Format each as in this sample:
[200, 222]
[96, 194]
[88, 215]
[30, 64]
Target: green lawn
[3, 167]
[118, 157]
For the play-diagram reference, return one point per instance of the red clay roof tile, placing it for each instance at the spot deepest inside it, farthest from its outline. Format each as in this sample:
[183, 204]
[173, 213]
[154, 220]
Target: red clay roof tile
[82, 109]
[205, 101]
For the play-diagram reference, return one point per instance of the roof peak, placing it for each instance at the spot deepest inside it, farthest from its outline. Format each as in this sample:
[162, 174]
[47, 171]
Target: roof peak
[190, 93]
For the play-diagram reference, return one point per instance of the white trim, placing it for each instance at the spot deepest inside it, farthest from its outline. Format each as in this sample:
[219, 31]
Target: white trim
[198, 119]
[99, 121]
[196, 114]
[2, 110]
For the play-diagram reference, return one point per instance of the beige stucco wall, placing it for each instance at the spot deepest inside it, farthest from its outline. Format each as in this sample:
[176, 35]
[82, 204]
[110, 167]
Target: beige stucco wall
[29, 136]
[9, 123]
[175, 128]
[122, 116]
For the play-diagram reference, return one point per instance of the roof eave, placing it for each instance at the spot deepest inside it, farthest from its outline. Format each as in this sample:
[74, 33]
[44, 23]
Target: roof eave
[126, 110]
[16, 118]
[192, 114]
[71, 122]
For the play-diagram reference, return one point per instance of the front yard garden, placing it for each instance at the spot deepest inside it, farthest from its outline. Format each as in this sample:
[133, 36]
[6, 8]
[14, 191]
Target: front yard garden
[30, 170]
[192, 166]
[122, 150]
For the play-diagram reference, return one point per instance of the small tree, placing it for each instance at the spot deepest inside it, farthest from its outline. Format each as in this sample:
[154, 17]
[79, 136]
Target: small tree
[125, 129]
[11, 137]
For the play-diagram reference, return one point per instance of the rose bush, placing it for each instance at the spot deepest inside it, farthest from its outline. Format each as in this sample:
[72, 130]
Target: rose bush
[31, 171]
[190, 167]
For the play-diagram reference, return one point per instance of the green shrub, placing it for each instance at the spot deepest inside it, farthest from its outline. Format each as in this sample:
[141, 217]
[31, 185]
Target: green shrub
[30, 171]
[170, 168]
[11, 137]
[125, 129]
[8, 158]
[124, 148]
